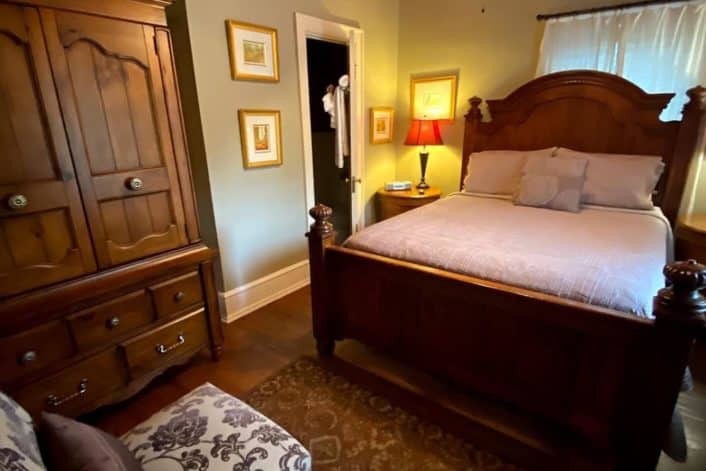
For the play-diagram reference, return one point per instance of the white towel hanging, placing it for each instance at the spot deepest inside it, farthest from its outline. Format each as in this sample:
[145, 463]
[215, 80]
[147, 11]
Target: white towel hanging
[335, 105]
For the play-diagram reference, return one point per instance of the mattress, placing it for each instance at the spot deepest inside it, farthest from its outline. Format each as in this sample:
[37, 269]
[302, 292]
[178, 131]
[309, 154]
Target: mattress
[603, 256]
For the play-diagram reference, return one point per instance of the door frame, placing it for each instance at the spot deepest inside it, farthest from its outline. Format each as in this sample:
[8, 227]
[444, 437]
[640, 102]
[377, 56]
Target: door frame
[317, 28]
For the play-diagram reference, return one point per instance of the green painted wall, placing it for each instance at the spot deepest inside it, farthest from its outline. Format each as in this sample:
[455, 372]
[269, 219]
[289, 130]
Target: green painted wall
[260, 215]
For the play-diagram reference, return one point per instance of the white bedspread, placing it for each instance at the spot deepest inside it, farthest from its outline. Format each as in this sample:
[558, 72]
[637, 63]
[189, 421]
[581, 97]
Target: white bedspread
[603, 256]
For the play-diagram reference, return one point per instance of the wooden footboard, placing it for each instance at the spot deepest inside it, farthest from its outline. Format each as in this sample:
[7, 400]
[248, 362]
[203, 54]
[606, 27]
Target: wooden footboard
[607, 377]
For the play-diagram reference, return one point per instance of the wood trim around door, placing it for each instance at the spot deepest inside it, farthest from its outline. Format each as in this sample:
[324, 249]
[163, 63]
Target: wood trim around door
[316, 28]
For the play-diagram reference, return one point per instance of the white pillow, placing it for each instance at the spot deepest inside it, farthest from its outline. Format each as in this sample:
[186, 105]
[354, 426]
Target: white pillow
[498, 171]
[553, 183]
[621, 180]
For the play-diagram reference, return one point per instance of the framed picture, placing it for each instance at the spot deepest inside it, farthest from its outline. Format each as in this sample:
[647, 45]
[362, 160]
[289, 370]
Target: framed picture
[382, 121]
[434, 97]
[260, 137]
[253, 52]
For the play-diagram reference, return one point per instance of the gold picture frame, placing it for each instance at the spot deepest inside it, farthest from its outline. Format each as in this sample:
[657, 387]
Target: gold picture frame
[382, 124]
[433, 97]
[260, 138]
[253, 51]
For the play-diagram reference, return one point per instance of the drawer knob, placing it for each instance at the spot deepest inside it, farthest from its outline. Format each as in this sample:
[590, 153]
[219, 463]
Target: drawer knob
[17, 201]
[28, 357]
[55, 401]
[135, 184]
[162, 349]
[113, 322]
[179, 296]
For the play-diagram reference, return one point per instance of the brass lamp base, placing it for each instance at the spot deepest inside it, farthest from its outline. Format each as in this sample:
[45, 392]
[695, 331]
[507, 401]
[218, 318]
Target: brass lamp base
[423, 158]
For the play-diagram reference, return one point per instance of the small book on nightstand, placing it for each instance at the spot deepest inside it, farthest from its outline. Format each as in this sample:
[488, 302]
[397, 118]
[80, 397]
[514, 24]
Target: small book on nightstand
[398, 186]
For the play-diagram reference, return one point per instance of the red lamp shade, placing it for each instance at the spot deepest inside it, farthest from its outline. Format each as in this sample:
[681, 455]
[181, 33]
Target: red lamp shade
[424, 132]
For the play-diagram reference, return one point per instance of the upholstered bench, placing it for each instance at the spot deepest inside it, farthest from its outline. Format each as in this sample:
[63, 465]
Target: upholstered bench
[206, 429]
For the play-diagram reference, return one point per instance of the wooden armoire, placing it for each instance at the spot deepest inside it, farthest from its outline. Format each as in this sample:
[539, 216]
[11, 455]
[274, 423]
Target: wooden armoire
[104, 281]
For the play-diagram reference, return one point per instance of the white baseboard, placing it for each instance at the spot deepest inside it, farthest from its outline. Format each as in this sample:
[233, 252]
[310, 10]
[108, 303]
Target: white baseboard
[245, 299]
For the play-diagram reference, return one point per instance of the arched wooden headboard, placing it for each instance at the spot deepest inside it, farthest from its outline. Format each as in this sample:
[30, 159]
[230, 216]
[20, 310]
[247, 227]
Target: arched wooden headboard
[592, 111]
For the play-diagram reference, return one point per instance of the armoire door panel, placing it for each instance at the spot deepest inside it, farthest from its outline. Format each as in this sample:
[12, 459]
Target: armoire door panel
[114, 92]
[139, 224]
[43, 233]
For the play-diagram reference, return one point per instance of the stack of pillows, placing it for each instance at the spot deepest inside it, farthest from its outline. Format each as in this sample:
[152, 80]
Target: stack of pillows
[564, 179]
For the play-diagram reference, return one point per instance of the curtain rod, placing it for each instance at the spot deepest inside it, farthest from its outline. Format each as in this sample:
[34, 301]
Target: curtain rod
[607, 8]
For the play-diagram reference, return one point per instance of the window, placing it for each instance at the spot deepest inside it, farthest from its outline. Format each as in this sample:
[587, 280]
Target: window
[661, 48]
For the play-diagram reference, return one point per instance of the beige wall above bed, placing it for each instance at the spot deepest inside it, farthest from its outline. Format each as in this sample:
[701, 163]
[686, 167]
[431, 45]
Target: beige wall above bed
[493, 53]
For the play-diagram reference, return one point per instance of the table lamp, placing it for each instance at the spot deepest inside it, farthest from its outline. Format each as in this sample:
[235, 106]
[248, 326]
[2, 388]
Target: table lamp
[423, 132]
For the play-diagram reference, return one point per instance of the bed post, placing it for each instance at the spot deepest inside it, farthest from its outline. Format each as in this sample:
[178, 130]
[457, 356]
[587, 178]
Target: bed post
[473, 119]
[679, 311]
[690, 143]
[321, 236]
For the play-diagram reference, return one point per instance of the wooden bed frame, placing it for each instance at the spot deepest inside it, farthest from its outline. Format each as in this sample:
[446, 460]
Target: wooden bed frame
[606, 378]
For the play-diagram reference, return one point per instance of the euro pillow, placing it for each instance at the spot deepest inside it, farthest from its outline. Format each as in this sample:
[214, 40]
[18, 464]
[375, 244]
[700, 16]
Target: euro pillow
[619, 180]
[553, 183]
[498, 172]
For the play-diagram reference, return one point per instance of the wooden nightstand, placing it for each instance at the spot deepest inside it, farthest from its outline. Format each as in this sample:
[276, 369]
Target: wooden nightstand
[691, 238]
[392, 203]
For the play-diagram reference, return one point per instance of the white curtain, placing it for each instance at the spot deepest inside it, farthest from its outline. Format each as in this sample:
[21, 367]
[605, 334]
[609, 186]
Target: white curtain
[661, 48]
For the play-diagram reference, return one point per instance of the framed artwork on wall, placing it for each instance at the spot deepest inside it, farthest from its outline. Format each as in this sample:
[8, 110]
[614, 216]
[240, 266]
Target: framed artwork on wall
[433, 98]
[382, 123]
[253, 52]
[260, 137]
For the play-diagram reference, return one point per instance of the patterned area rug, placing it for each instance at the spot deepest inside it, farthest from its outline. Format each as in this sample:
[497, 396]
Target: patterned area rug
[348, 428]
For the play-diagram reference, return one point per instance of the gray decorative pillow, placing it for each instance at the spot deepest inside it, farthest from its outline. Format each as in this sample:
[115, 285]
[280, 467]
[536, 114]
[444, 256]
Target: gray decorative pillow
[72, 446]
[552, 183]
[620, 180]
[19, 449]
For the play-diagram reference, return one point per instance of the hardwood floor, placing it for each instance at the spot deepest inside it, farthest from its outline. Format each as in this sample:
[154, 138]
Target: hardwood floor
[261, 343]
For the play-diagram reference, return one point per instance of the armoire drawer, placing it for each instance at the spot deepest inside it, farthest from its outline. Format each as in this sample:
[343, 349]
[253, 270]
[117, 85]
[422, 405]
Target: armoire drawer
[76, 388]
[177, 294]
[100, 325]
[34, 350]
[159, 346]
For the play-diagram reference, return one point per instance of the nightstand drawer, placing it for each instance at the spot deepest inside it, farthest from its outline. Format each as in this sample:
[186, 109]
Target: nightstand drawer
[393, 203]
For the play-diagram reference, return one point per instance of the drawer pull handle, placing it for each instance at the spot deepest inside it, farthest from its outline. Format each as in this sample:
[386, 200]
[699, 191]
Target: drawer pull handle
[178, 297]
[28, 357]
[17, 201]
[135, 184]
[56, 401]
[162, 349]
[113, 322]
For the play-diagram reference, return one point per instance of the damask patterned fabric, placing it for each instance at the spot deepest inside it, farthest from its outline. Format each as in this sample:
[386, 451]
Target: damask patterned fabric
[19, 450]
[210, 430]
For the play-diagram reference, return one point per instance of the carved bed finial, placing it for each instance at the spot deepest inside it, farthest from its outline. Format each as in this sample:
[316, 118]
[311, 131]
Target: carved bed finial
[683, 301]
[697, 96]
[474, 113]
[321, 214]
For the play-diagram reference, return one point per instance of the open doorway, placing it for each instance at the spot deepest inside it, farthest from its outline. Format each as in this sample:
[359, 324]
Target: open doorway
[327, 64]
[327, 51]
